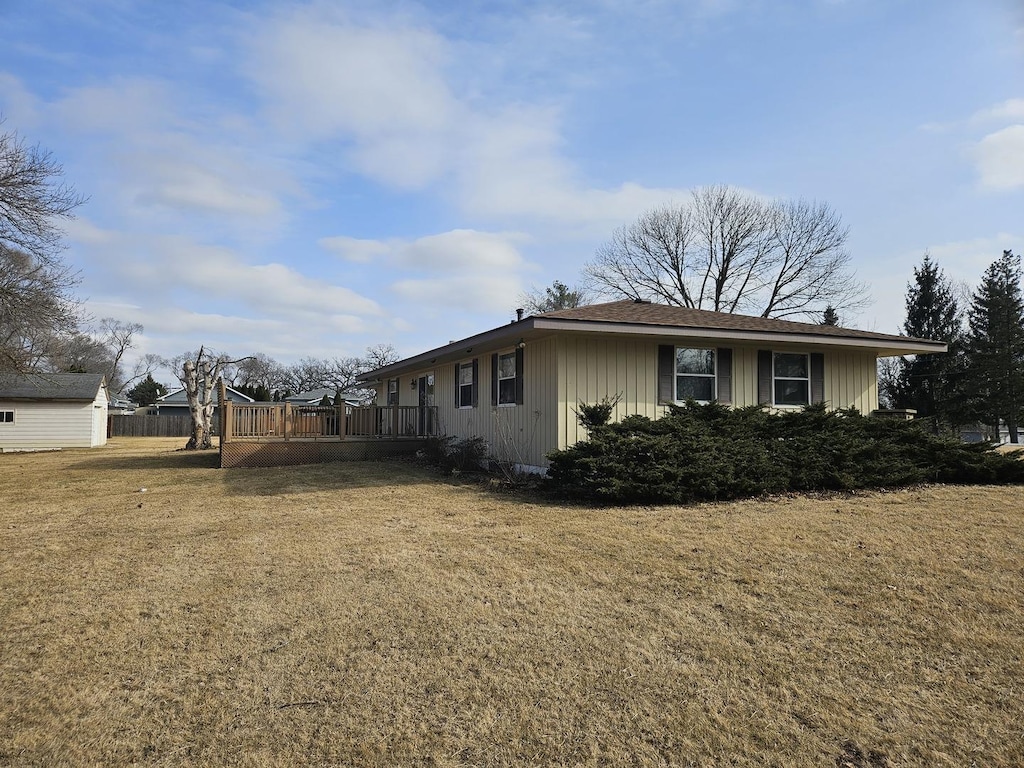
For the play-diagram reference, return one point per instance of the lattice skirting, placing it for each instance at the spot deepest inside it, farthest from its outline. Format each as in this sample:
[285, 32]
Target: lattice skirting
[281, 454]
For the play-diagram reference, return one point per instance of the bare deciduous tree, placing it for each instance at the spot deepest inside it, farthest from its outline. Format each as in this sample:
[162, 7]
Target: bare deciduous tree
[199, 372]
[31, 198]
[95, 350]
[729, 251]
[37, 308]
[338, 373]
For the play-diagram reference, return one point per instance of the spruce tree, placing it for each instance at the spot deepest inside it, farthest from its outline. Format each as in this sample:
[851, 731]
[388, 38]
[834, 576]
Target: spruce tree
[147, 391]
[995, 345]
[930, 383]
[830, 316]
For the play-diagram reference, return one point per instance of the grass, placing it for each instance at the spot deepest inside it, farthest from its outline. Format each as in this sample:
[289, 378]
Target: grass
[373, 615]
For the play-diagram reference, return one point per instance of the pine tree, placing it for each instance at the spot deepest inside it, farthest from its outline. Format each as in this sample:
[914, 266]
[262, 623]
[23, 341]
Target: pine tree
[830, 316]
[929, 383]
[995, 345]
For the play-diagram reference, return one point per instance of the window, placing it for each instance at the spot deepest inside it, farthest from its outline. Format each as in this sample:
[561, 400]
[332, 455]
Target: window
[507, 379]
[466, 382]
[695, 374]
[6, 417]
[791, 374]
[392, 391]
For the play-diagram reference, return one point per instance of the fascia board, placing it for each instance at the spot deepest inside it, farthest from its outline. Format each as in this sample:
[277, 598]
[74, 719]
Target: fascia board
[885, 347]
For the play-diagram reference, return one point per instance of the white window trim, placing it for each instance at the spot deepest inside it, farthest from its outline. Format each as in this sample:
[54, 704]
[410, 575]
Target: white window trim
[712, 376]
[7, 421]
[807, 359]
[511, 378]
[460, 385]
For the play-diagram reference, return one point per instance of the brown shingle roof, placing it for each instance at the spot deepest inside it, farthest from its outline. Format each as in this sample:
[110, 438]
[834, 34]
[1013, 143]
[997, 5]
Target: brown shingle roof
[637, 313]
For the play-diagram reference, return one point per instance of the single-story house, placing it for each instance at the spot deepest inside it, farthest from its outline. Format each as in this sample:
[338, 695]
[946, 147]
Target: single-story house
[176, 402]
[518, 386]
[52, 410]
[316, 396]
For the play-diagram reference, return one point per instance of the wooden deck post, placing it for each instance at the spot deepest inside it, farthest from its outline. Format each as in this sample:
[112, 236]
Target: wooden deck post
[287, 419]
[226, 420]
[394, 422]
[341, 419]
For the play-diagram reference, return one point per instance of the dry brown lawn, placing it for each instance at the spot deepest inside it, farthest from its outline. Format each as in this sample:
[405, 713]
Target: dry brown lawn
[375, 615]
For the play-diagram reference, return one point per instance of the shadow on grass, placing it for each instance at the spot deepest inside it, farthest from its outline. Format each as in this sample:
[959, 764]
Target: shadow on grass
[162, 460]
[329, 476]
[277, 481]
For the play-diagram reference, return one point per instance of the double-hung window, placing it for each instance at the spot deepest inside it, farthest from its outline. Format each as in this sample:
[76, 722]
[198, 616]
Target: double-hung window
[465, 384]
[507, 379]
[392, 391]
[695, 374]
[791, 378]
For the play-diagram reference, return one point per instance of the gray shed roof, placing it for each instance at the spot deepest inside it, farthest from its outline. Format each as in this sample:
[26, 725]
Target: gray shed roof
[83, 387]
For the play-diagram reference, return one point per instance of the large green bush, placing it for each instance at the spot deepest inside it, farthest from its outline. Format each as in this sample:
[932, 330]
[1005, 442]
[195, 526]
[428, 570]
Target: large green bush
[708, 452]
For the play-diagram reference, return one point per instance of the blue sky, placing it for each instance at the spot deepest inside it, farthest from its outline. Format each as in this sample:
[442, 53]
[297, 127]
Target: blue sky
[309, 178]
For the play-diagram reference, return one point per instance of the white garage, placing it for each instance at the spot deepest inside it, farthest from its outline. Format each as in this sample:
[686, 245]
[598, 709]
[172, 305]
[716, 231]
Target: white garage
[52, 410]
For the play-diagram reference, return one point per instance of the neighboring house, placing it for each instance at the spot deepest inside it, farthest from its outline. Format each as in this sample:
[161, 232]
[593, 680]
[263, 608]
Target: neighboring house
[119, 406]
[53, 410]
[518, 386]
[176, 402]
[316, 396]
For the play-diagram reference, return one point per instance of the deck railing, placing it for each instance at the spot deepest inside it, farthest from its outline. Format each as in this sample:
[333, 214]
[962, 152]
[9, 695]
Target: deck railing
[288, 421]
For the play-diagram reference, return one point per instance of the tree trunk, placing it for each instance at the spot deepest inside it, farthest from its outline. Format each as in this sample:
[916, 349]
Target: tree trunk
[198, 381]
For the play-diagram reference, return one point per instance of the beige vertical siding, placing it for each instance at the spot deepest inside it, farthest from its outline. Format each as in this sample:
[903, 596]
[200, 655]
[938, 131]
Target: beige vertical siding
[521, 434]
[851, 380]
[593, 367]
[561, 371]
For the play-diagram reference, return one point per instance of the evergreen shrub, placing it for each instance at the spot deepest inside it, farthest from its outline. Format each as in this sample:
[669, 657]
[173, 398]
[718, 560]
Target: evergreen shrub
[710, 452]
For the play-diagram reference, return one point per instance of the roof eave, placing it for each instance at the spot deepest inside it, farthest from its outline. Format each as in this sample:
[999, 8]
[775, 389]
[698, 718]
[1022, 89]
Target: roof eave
[883, 346]
[889, 345]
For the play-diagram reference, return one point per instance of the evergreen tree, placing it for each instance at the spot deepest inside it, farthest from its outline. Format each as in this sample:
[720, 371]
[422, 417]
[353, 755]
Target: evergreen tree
[147, 391]
[995, 345]
[830, 316]
[557, 296]
[930, 383]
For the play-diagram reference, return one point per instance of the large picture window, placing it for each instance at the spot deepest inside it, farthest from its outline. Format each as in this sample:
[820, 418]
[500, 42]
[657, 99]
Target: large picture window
[791, 378]
[507, 379]
[695, 374]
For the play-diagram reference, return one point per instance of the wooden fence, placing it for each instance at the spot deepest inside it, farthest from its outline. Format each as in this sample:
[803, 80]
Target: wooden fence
[167, 425]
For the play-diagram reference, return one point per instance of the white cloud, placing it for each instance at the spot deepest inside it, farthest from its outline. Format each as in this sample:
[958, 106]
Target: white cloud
[158, 160]
[1009, 110]
[212, 273]
[19, 106]
[999, 158]
[476, 293]
[355, 250]
[464, 268]
[461, 250]
[386, 94]
[381, 88]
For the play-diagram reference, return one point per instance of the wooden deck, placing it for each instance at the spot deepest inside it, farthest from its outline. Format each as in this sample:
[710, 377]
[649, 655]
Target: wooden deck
[278, 434]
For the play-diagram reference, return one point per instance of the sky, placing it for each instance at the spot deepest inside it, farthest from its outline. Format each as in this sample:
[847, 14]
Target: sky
[306, 179]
